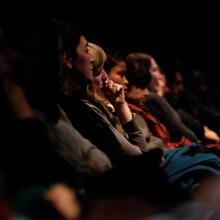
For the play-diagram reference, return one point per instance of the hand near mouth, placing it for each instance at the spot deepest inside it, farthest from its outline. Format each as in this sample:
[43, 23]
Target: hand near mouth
[115, 94]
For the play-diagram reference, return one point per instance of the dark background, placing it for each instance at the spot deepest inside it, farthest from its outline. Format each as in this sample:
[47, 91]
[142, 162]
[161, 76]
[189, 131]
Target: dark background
[188, 30]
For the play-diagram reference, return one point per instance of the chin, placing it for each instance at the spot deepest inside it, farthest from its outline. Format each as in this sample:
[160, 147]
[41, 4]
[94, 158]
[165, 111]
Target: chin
[141, 104]
[90, 78]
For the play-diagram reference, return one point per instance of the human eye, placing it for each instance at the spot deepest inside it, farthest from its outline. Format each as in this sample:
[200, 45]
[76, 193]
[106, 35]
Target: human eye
[86, 50]
[121, 73]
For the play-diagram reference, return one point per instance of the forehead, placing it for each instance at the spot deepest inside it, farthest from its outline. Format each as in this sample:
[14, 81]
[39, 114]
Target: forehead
[120, 65]
[83, 42]
[153, 62]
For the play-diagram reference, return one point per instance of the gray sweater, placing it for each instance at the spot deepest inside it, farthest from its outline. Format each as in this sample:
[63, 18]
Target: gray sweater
[77, 150]
[135, 144]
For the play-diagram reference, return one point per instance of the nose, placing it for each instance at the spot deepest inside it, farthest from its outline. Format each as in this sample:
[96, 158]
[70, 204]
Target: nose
[125, 81]
[146, 92]
[104, 75]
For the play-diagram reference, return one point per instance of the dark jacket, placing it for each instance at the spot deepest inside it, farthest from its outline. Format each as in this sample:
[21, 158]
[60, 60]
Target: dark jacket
[94, 125]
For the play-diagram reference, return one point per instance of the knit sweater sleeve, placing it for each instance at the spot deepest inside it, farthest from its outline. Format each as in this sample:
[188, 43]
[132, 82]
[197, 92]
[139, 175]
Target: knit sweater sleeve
[169, 117]
[135, 135]
[79, 151]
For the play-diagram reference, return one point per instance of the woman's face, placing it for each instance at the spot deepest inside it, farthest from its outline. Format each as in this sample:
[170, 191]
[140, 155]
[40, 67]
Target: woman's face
[83, 63]
[178, 84]
[100, 78]
[154, 68]
[158, 81]
[162, 89]
[137, 95]
[117, 74]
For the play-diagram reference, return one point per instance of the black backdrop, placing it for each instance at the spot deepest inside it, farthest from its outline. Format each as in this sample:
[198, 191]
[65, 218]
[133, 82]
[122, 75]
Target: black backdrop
[167, 29]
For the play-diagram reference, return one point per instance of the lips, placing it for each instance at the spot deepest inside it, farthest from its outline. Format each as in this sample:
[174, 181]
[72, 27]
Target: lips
[125, 89]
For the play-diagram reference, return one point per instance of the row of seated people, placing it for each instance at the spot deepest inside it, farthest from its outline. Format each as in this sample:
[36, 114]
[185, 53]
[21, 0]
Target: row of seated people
[192, 100]
[68, 131]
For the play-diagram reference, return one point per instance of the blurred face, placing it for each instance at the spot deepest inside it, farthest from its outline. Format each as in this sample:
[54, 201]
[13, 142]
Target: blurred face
[83, 63]
[100, 79]
[178, 85]
[137, 95]
[117, 74]
[161, 88]
[158, 81]
[154, 68]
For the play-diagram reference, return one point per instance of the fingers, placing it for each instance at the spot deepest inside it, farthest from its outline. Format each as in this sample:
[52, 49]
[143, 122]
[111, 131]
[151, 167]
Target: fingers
[114, 87]
[114, 92]
[118, 90]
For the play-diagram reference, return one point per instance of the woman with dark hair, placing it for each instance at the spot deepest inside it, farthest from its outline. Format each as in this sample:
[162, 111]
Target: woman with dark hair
[88, 116]
[130, 165]
[158, 106]
[184, 164]
[116, 68]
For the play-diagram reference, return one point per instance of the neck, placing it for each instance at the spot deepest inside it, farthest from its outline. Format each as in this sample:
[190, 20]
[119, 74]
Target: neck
[72, 87]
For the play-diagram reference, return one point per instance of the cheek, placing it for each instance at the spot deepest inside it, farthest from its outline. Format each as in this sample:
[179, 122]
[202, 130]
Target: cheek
[121, 80]
[83, 60]
[137, 95]
[111, 76]
[118, 79]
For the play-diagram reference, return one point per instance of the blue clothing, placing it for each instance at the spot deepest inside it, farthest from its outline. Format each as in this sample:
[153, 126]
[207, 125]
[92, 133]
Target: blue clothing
[186, 166]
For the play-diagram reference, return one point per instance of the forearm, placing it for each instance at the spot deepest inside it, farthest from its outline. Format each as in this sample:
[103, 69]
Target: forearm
[17, 101]
[134, 134]
[123, 112]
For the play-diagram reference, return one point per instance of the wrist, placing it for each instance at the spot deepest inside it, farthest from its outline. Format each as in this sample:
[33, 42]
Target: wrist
[124, 113]
[120, 105]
